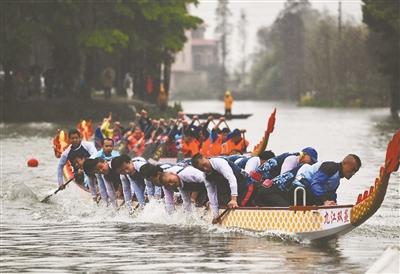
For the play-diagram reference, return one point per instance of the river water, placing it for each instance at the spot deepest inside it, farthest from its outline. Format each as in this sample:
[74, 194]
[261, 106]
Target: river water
[70, 235]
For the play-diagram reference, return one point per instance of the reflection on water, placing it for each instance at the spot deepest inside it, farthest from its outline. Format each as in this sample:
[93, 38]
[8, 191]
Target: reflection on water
[70, 235]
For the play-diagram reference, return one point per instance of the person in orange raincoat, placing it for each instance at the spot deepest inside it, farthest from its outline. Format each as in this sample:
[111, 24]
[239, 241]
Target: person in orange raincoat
[228, 101]
[235, 144]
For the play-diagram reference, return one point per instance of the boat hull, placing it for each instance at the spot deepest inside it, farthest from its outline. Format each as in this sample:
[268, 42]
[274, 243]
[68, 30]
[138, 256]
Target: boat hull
[303, 223]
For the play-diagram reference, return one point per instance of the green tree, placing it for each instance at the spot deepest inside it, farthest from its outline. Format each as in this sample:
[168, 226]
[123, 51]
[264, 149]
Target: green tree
[382, 17]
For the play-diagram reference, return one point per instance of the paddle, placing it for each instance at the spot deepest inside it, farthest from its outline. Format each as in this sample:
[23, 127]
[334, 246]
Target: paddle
[159, 150]
[227, 125]
[219, 218]
[244, 148]
[46, 199]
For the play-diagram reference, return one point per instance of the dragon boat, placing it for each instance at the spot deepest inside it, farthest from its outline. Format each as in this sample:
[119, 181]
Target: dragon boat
[301, 222]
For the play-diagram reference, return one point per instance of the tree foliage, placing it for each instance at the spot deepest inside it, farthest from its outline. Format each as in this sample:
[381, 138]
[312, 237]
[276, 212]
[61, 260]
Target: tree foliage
[383, 19]
[303, 57]
[136, 36]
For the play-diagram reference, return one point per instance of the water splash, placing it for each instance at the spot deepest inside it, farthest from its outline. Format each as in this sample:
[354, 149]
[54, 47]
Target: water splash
[21, 192]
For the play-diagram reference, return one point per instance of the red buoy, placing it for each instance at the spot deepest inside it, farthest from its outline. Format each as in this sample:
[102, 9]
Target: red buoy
[33, 162]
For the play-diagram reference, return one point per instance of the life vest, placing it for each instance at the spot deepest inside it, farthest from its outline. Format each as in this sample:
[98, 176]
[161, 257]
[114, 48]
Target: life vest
[285, 181]
[243, 161]
[216, 147]
[80, 150]
[135, 144]
[272, 168]
[229, 146]
[205, 147]
[190, 149]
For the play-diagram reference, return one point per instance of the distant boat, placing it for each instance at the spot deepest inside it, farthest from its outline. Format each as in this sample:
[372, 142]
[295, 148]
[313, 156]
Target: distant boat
[216, 115]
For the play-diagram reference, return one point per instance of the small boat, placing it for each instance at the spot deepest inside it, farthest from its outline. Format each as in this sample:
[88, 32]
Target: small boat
[216, 115]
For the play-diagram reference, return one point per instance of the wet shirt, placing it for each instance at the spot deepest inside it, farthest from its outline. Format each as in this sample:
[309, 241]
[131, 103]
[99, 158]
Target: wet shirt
[86, 147]
[189, 178]
[290, 163]
[222, 167]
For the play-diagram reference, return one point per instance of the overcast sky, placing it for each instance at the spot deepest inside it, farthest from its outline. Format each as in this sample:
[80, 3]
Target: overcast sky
[263, 13]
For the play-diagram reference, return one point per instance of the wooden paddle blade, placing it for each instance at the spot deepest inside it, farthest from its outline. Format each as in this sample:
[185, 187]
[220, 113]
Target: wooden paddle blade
[219, 218]
[47, 198]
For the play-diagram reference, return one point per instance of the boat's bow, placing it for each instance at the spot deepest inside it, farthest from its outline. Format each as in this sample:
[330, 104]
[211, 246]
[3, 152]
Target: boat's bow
[370, 201]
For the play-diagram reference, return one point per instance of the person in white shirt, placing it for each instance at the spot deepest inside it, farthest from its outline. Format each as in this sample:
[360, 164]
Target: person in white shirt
[77, 146]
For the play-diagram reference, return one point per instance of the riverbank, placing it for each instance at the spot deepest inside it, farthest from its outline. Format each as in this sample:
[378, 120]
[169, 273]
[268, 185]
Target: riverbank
[68, 110]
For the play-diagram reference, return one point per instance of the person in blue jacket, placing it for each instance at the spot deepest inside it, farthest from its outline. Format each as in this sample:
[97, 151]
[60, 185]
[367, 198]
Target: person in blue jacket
[320, 181]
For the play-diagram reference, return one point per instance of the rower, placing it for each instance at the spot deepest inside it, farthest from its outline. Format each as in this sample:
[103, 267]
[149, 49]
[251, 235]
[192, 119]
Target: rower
[272, 167]
[234, 143]
[101, 169]
[136, 141]
[190, 145]
[77, 146]
[251, 163]
[218, 137]
[233, 186]
[106, 153]
[133, 180]
[143, 120]
[152, 172]
[77, 160]
[321, 180]
[186, 180]
[308, 155]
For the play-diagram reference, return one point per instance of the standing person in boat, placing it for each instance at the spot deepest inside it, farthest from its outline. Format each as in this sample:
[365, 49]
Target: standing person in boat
[186, 180]
[133, 180]
[272, 168]
[320, 181]
[77, 146]
[228, 101]
[233, 186]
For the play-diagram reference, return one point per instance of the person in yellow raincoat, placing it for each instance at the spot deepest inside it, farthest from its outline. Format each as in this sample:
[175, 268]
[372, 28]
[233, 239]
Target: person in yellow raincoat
[228, 100]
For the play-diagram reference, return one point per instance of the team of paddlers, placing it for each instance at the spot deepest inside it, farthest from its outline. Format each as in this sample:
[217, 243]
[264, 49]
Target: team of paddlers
[213, 168]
